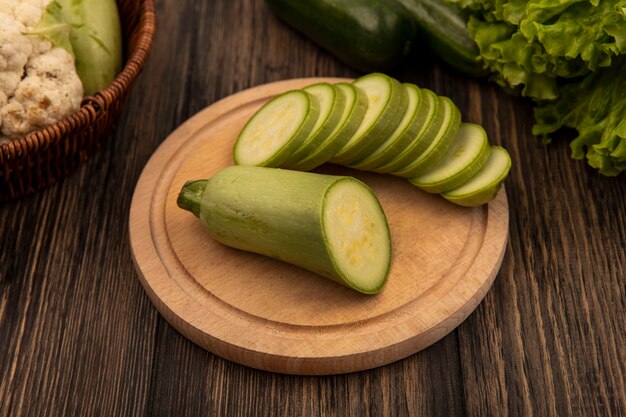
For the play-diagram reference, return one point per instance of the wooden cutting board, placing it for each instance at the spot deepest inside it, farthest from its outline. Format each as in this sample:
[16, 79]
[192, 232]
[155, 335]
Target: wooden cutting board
[270, 315]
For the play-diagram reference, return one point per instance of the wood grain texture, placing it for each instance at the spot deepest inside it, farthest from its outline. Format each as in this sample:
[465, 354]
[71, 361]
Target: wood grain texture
[78, 335]
[270, 315]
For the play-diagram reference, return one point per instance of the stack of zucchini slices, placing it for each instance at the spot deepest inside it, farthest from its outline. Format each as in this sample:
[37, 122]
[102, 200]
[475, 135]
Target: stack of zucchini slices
[380, 125]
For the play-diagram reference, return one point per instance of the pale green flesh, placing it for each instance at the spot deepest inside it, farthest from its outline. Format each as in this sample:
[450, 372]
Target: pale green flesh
[277, 129]
[483, 186]
[332, 103]
[430, 126]
[330, 225]
[387, 101]
[440, 144]
[405, 132]
[357, 235]
[353, 113]
[466, 156]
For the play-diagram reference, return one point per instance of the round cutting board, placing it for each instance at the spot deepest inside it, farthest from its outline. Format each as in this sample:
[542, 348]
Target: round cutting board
[271, 315]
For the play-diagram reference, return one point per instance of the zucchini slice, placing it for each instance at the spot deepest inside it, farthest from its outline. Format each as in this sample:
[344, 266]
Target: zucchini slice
[353, 113]
[331, 225]
[483, 186]
[387, 101]
[466, 156]
[440, 144]
[277, 129]
[405, 133]
[332, 103]
[433, 118]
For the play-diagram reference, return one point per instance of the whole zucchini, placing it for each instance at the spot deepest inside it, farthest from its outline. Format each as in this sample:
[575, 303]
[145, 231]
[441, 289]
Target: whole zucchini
[369, 35]
[443, 27]
[331, 225]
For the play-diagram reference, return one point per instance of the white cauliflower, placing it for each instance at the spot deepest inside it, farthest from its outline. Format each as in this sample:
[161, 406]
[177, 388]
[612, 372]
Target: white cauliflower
[38, 82]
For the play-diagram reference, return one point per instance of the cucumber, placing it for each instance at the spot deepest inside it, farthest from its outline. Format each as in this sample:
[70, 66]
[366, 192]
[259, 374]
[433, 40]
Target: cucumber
[331, 225]
[386, 103]
[440, 144]
[332, 103]
[369, 35]
[353, 113]
[483, 186]
[407, 130]
[277, 129]
[466, 156]
[433, 118]
[443, 27]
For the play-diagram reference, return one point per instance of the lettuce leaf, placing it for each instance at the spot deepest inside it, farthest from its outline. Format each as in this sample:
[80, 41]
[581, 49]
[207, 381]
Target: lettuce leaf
[528, 45]
[569, 56]
[596, 108]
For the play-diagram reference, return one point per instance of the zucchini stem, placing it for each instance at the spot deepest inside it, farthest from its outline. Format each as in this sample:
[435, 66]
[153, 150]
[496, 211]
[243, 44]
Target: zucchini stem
[190, 196]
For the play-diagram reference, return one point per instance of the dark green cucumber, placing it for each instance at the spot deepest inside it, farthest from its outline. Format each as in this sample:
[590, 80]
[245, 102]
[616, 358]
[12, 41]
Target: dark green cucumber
[443, 26]
[369, 35]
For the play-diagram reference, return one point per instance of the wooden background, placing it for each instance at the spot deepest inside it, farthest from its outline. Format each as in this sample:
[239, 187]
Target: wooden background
[78, 336]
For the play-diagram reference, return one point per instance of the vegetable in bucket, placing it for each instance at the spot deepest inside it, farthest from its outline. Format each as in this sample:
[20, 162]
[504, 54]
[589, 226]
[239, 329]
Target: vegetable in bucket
[91, 30]
[56, 52]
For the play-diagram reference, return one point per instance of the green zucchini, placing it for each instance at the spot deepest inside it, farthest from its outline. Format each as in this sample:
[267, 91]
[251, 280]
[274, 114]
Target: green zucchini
[405, 132]
[369, 35]
[443, 27]
[433, 119]
[440, 144]
[374, 124]
[387, 101]
[484, 185]
[331, 225]
[464, 159]
[353, 113]
[277, 129]
[332, 104]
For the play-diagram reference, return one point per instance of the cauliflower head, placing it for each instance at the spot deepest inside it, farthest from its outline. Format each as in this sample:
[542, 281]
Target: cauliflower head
[38, 82]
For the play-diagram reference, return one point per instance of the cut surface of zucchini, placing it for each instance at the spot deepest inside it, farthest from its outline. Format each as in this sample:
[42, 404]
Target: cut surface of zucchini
[433, 117]
[357, 235]
[332, 103]
[353, 113]
[407, 130]
[386, 104]
[483, 186]
[440, 144]
[277, 129]
[466, 156]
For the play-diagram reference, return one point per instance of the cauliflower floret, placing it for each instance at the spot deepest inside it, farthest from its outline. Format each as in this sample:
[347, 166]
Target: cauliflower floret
[38, 82]
[50, 91]
[15, 49]
[27, 12]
